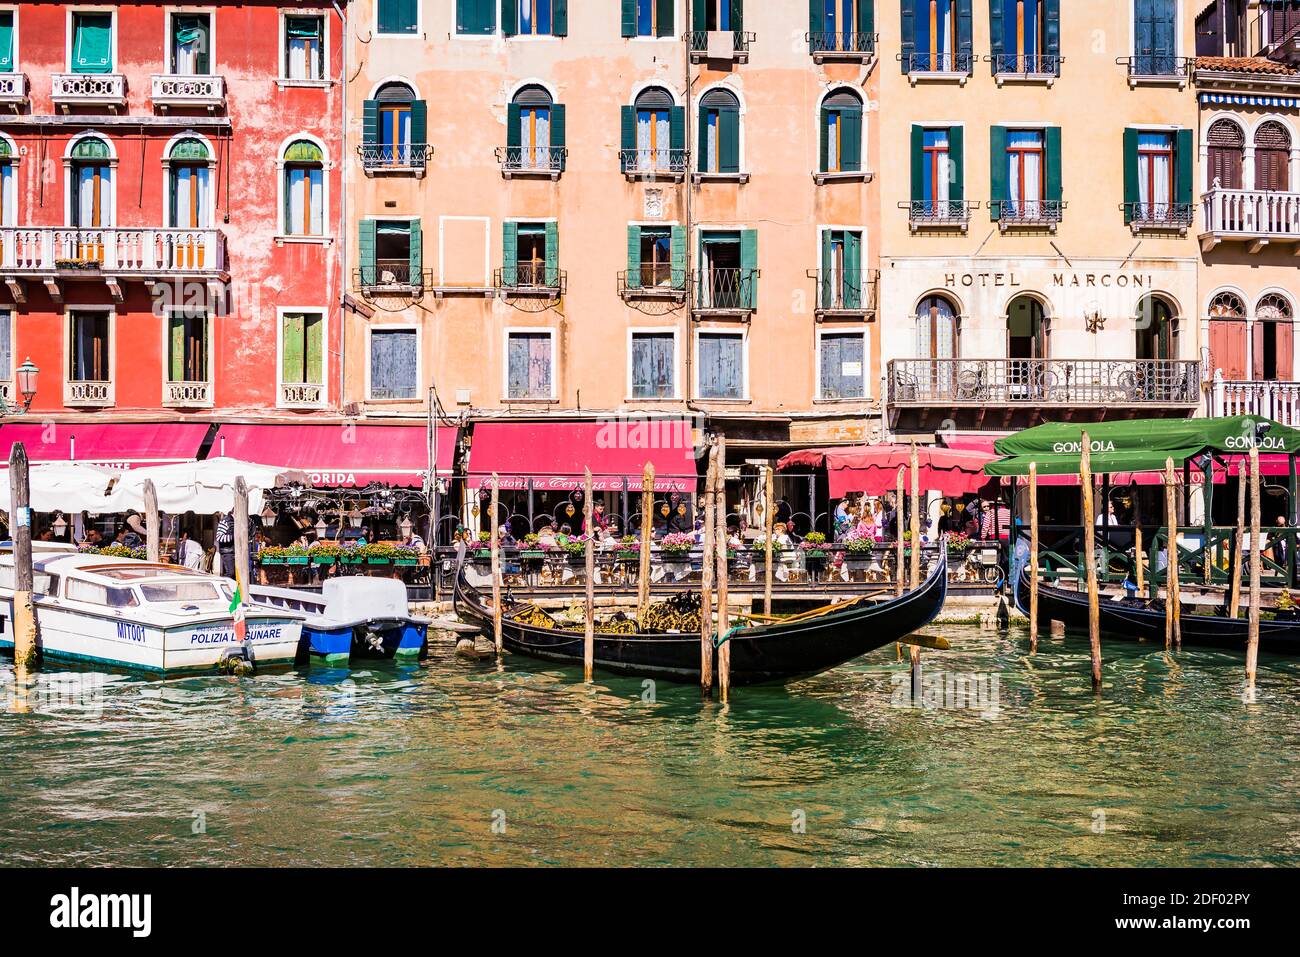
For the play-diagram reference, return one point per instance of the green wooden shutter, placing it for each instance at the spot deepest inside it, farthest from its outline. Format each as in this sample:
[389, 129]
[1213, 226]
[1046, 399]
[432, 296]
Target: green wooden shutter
[629, 18]
[512, 130]
[1052, 143]
[419, 123]
[699, 16]
[664, 19]
[816, 25]
[291, 348]
[370, 122]
[702, 144]
[679, 257]
[475, 16]
[176, 361]
[313, 339]
[998, 171]
[853, 270]
[560, 18]
[366, 249]
[634, 257]
[918, 163]
[995, 36]
[92, 45]
[737, 15]
[509, 17]
[867, 17]
[728, 141]
[749, 268]
[398, 16]
[1052, 30]
[677, 128]
[1131, 195]
[557, 133]
[1184, 157]
[510, 253]
[908, 39]
[823, 140]
[552, 254]
[627, 134]
[416, 255]
[826, 294]
[957, 160]
[6, 41]
[851, 140]
[965, 33]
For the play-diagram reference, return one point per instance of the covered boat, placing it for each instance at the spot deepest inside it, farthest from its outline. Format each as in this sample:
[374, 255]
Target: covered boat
[352, 617]
[768, 651]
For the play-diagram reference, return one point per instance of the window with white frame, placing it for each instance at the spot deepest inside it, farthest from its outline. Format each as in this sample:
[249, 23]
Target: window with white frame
[841, 362]
[394, 363]
[654, 365]
[191, 44]
[530, 359]
[189, 185]
[6, 345]
[397, 18]
[8, 184]
[304, 189]
[302, 348]
[304, 47]
[92, 42]
[8, 27]
[91, 188]
[187, 346]
[89, 346]
[721, 365]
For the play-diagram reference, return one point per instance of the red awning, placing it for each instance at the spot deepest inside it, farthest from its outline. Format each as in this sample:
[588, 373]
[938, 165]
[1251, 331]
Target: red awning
[873, 469]
[112, 444]
[554, 454]
[343, 455]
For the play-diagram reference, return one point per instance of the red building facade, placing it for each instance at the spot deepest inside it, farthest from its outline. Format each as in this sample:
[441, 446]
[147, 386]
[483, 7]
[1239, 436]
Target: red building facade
[170, 208]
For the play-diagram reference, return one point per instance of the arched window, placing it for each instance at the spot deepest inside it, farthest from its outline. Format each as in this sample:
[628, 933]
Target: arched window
[1156, 330]
[719, 132]
[937, 333]
[1273, 340]
[304, 189]
[1227, 144]
[654, 133]
[1027, 329]
[841, 132]
[535, 131]
[1272, 157]
[91, 195]
[189, 185]
[1228, 335]
[8, 190]
[395, 124]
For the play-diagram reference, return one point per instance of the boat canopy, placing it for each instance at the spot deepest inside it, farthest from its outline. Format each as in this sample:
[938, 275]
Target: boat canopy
[1139, 445]
[873, 469]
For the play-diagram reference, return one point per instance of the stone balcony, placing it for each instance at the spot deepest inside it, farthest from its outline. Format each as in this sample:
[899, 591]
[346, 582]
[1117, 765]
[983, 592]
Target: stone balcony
[171, 91]
[13, 90]
[301, 395]
[85, 394]
[1253, 216]
[187, 395]
[70, 91]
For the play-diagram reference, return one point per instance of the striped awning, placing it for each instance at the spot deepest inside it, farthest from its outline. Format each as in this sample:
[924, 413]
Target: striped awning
[1235, 99]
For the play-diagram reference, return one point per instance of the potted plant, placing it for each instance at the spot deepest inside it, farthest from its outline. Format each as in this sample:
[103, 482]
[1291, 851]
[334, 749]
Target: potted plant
[858, 553]
[484, 545]
[532, 550]
[576, 549]
[406, 555]
[296, 555]
[676, 546]
[377, 553]
[351, 555]
[627, 549]
[959, 543]
[323, 553]
[813, 547]
[273, 555]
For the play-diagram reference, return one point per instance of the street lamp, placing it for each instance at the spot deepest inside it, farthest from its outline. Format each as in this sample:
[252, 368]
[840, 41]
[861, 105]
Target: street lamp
[25, 379]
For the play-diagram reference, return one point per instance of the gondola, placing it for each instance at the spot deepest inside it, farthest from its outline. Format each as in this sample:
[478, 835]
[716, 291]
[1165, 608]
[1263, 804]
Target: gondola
[768, 652]
[1135, 618]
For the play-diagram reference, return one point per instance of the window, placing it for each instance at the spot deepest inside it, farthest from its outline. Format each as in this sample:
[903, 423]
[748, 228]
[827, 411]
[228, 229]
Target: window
[1155, 38]
[1158, 176]
[531, 255]
[529, 361]
[1026, 329]
[936, 328]
[91, 195]
[93, 593]
[92, 43]
[842, 26]
[302, 348]
[89, 354]
[394, 128]
[304, 189]
[1272, 157]
[187, 348]
[653, 135]
[937, 174]
[390, 253]
[654, 365]
[189, 174]
[1026, 37]
[647, 18]
[476, 17]
[1155, 175]
[1156, 331]
[842, 281]
[729, 265]
[936, 36]
[1274, 341]
[534, 132]
[721, 365]
[1226, 148]
[840, 360]
[656, 257]
[6, 345]
[394, 361]
[841, 133]
[8, 187]
[304, 48]
[398, 17]
[191, 44]
[535, 17]
[719, 132]
[714, 15]
[6, 41]
[1026, 175]
[1228, 335]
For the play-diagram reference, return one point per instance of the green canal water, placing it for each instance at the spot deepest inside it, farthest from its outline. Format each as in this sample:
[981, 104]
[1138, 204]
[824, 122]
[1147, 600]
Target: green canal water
[462, 763]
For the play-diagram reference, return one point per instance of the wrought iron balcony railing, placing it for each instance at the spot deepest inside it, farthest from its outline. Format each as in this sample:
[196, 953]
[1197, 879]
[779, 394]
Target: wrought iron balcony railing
[705, 43]
[143, 252]
[88, 89]
[1040, 382]
[531, 279]
[842, 43]
[851, 292]
[184, 394]
[1011, 65]
[940, 213]
[1159, 216]
[1251, 214]
[544, 160]
[1158, 67]
[206, 90]
[391, 274]
[387, 156]
[652, 280]
[1044, 213]
[656, 162]
[941, 64]
[725, 290]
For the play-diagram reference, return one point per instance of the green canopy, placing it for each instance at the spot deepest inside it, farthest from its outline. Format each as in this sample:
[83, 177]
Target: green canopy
[1140, 445]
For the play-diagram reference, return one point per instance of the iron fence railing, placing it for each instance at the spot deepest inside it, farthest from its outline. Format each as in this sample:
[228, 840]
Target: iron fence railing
[1033, 64]
[648, 162]
[844, 42]
[698, 41]
[1159, 215]
[532, 159]
[941, 63]
[1156, 66]
[935, 212]
[394, 156]
[392, 274]
[1030, 382]
[846, 290]
[526, 278]
[725, 289]
[1030, 212]
[652, 279]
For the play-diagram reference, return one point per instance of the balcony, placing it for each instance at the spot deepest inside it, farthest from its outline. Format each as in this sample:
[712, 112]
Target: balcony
[1150, 69]
[719, 45]
[13, 90]
[387, 158]
[86, 394]
[938, 66]
[1044, 214]
[532, 160]
[1275, 33]
[847, 294]
[302, 395]
[6, 390]
[842, 45]
[663, 164]
[1279, 401]
[187, 395]
[71, 90]
[170, 91]
[1253, 216]
[725, 292]
[531, 280]
[653, 281]
[1159, 217]
[391, 276]
[939, 214]
[1034, 68]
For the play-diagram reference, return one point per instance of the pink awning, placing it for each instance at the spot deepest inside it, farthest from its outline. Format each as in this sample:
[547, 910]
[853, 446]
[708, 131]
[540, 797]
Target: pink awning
[343, 455]
[553, 455]
[873, 469]
[117, 445]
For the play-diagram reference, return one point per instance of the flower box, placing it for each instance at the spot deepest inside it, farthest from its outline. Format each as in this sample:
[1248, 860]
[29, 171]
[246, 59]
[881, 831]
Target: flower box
[297, 560]
[372, 560]
[532, 555]
[407, 562]
[483, 553]
[323, 559]
[273, 560]
[351, 559]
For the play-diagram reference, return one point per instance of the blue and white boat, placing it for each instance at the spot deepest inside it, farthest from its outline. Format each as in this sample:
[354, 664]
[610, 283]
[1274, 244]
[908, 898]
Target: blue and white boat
[353, 617]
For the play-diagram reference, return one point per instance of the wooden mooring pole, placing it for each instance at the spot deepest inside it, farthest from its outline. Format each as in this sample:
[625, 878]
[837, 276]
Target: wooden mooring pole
[706, 581]
[242, 544]
[153, 547]
[647, 537]
[20, 531]
[1173, 624]
[494, 539]
[1033, 557]
[1252, 632]
[769, 517]
[1234, 600]
[1139, 558]
[901, 584]
[720, 550]
[589, 613]
[915, 570]
[1090, 559]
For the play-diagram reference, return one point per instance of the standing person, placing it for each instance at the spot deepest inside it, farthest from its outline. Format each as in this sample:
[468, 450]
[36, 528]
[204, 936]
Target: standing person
[226, 544]
[189, 552]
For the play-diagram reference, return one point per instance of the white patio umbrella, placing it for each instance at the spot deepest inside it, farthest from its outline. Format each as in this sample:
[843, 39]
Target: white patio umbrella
[199, 487]
[63, 486]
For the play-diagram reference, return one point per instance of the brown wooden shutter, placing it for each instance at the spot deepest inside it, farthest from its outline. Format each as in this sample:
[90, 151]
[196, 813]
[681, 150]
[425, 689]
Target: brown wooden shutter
[1227, 143]
[1272, 157]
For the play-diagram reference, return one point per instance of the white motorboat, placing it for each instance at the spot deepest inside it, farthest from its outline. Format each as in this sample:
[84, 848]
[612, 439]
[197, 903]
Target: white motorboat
[126, 613]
